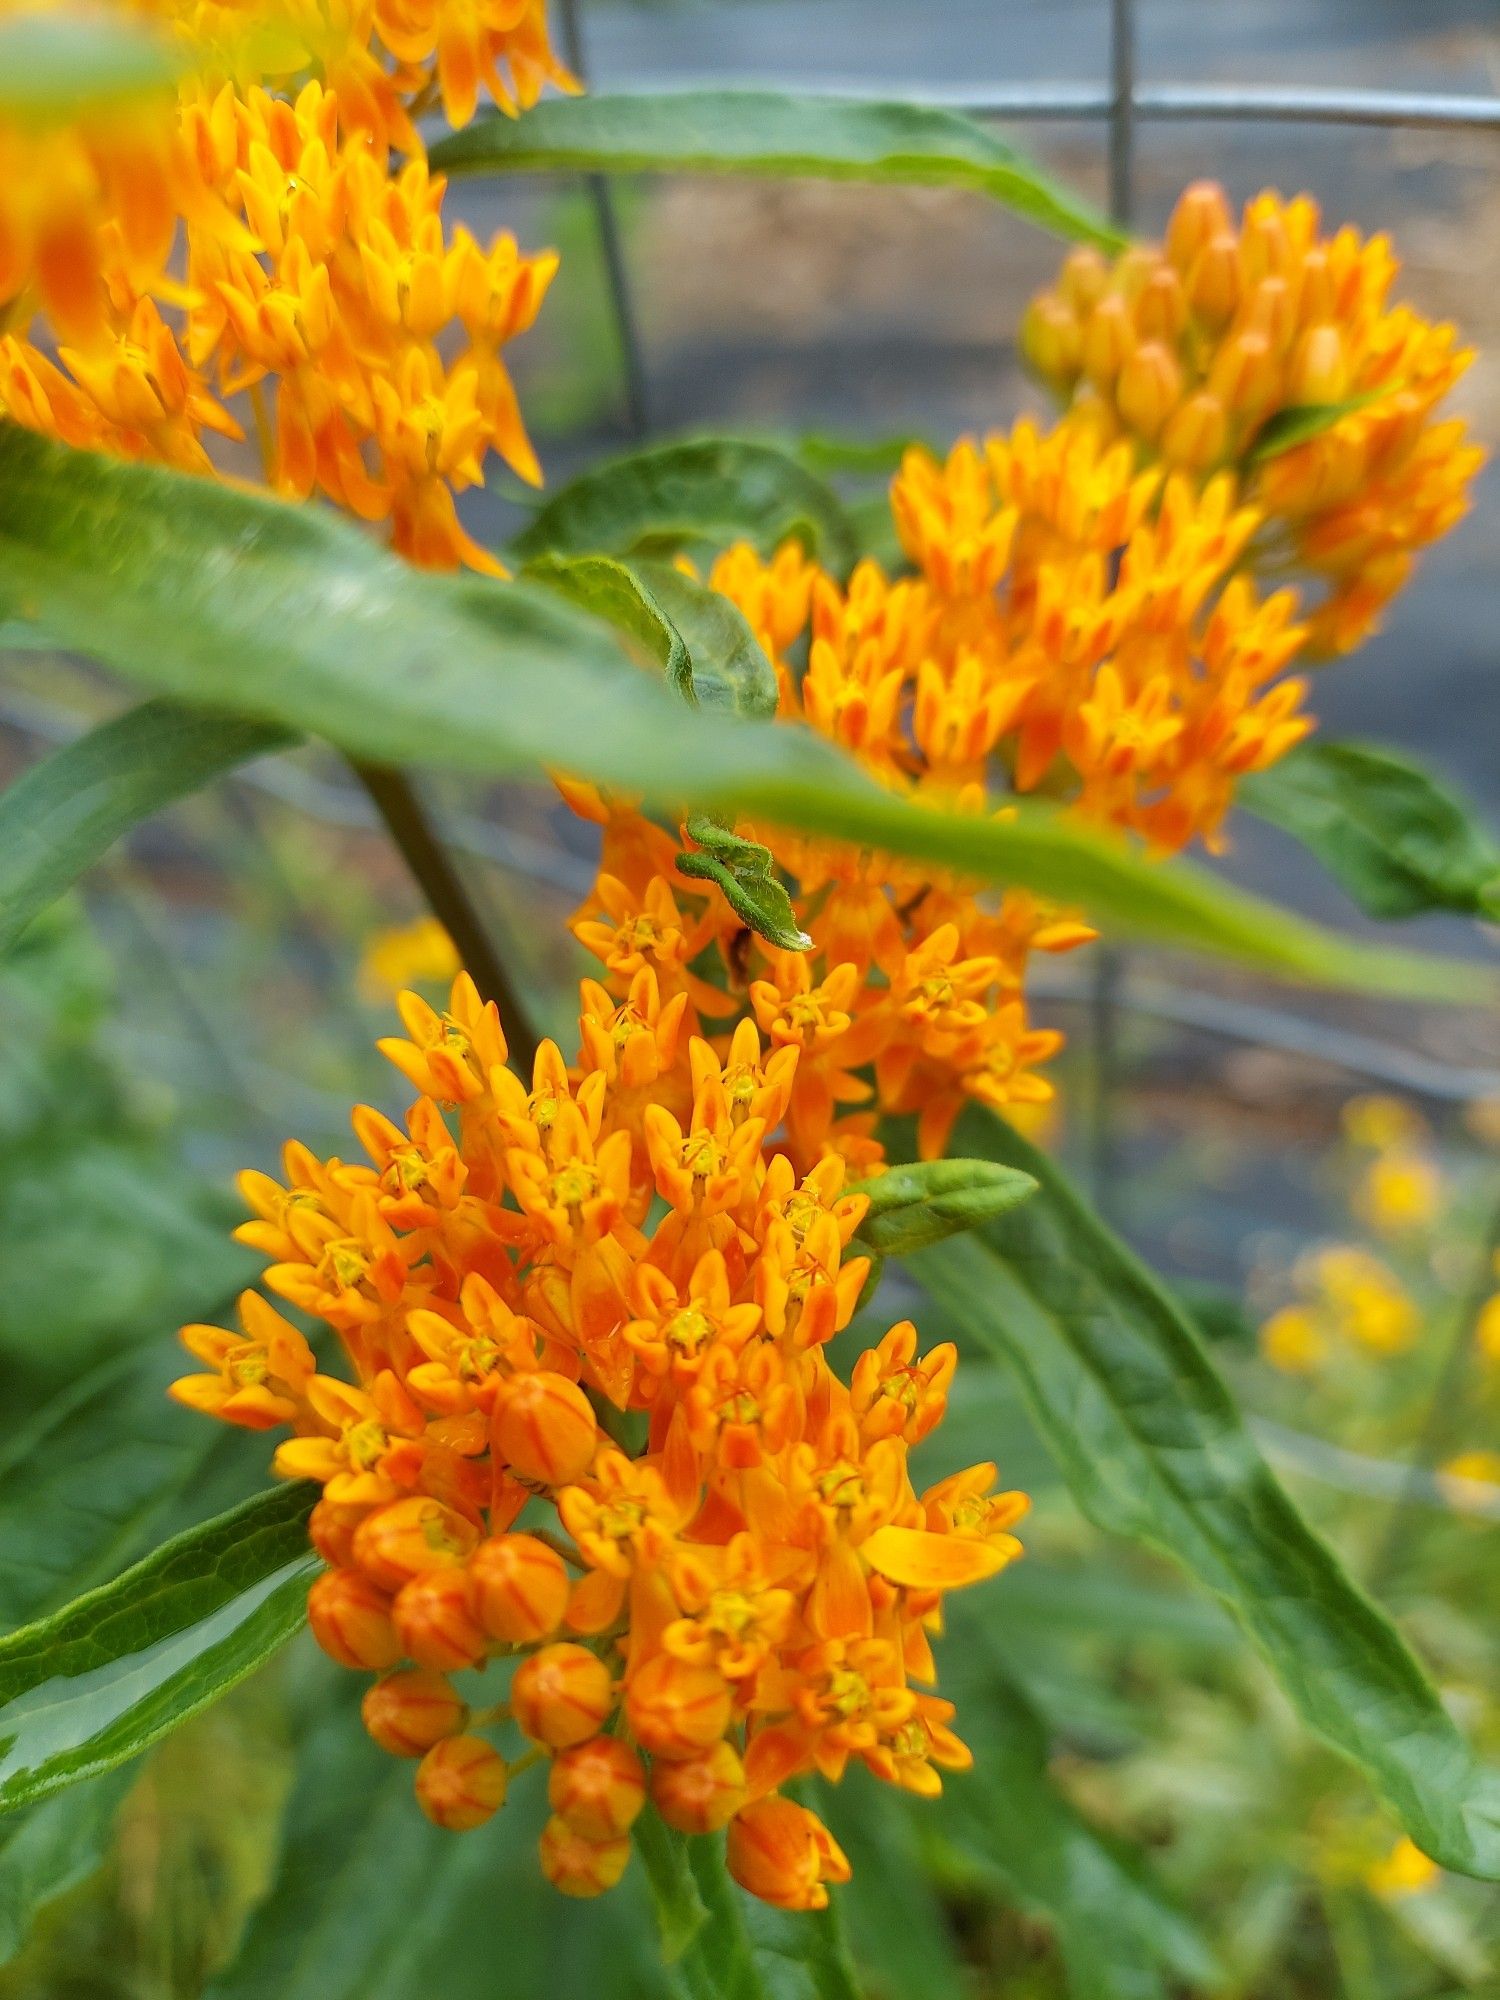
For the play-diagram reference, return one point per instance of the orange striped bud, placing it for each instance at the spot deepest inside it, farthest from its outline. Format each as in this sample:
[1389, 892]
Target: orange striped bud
[520, 1587]
[562, 1695]
[1051, 340]
[1244, 376]
[597, 1787]
[410, 1537]
[1161, 310]
[1214, 285]
[351, 1621]
[784, 1854]
[676, 1709]
[1149, 388]
[435, 1617]
[544, 1428]
[1319, 372]
[1084, 279]
[700, 1794]
[1197, 433]
[461, 1783]
[407, 1713]
[580, 1867]
[1108, 338]
[1201, 214]
[330, 1529]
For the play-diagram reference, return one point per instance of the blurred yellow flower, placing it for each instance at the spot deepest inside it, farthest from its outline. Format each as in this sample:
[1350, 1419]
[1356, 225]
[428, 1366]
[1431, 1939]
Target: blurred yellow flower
[1292, 1341]
[1402, 1190]
[1468, 1468]
[405, 955]
[1487, 1327]
[1405, 1871]
[1381, 1122]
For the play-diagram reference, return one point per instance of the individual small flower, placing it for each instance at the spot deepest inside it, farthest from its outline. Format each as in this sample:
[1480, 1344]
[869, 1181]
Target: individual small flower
[1405, 1871]
[407, 955]
[784, 1854]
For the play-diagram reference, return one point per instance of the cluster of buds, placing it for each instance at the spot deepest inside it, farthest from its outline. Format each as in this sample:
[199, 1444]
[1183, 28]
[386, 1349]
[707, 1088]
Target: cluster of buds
[592, 1432]
[224, 241]
[1199, 348]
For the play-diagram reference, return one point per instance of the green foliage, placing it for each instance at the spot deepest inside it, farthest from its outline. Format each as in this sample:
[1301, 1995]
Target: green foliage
[770, 132]
[745, 872]
[919, 1204]
[51, 66]
[1301, 422]
[94, 1684]
[65, 812]
[1399, 841]
[47, 1848]
[1153, 1446]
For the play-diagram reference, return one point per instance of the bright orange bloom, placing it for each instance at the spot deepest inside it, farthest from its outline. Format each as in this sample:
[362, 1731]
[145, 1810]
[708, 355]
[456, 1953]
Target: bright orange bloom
[743, 1594]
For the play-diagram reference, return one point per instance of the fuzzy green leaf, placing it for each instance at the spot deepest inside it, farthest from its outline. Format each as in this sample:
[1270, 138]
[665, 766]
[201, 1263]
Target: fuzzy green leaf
[1153, 1446]
[613, 591]
[1395, 838]
[746, 874]
[117, 1669]
[63, 814]
[919, 1204]
[771, 132]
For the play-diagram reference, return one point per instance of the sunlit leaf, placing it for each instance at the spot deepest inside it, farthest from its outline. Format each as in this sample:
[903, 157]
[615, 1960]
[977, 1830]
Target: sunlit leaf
[53, 65]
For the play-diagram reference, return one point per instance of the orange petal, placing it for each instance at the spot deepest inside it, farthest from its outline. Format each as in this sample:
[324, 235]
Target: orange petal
[920, 1560]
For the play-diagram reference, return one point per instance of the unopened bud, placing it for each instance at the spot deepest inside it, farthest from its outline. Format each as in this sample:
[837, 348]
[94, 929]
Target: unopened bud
[1108, 337]
[1214, 284]
[1051, 341]
[545, 1429]
[1269, 309]
[351, 1620]
[562, 1695]
[700, 1794]
[1161, 309]
[1265, 248]
[1315, 290]
[676, 1709]
[410, 1537]
[1201, 214]
[598, 1787]
[1319, 373]
[1245, 376]
[520, 1587]
[330, 1529]
[1197, 433]
[1084, 279]
[435, 1617]
[580, 1867]
[784, 1854]
[461, 1783]
[1149, 389]
[408, 1712]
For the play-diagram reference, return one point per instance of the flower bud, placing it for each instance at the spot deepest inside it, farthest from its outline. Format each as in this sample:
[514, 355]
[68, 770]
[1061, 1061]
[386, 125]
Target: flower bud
[1107, 338]
[435, 1618]
[1245, 377]
[580, 1867]
[351, 1621]
[676, 1709]
[1269, 309]
[700, 1794]
[1265, 248]
[330, 1529]
[597, 1787]
[1051, 340]
[461, 1783]
[562, 1695]
[1201, 214]
[544, 1428]
[1149, 389]
[784, 1854]
[1316, 300]
[1318, 373]
[408, 1712]
[410, 1537]
[1084, 279]
[520, 1588]
[1214, 285]
[1161, 309]
[1197, 433]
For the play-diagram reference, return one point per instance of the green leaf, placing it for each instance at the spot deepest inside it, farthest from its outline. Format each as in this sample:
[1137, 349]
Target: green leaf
[916, 1205]
[616, 593]
[55, 65]
[770, 132]
[898, 1928]
[1120, 1934]
[47, 1848]
[229, 599]
[1302, 421]
[748, 1951]
[700, 493]
[731, 674]
[745, 872]
[1153, 1446]
[1396, 839]
[59, 817]
[680, 1910]
[117, 1669]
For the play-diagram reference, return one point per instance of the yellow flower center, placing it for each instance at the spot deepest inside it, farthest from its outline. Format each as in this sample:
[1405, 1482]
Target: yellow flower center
[346, 1263]
[364, 1444]
[689, 1330]
[571, 1186]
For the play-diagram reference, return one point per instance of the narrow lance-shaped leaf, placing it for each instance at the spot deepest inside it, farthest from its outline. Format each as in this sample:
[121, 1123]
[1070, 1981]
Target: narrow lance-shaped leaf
[116, 1670]
[771, 132]
[1397, 840]
[63, 814]
[700, 493]
[48, 1847]
[229, 599]
[919, 1204]
[1153, 1446]
[1302, 422]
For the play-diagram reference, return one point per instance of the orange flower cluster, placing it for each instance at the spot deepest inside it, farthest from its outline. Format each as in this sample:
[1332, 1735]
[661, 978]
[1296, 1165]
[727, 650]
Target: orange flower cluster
[609, 1447]
[1198, 350]
[162, 258]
